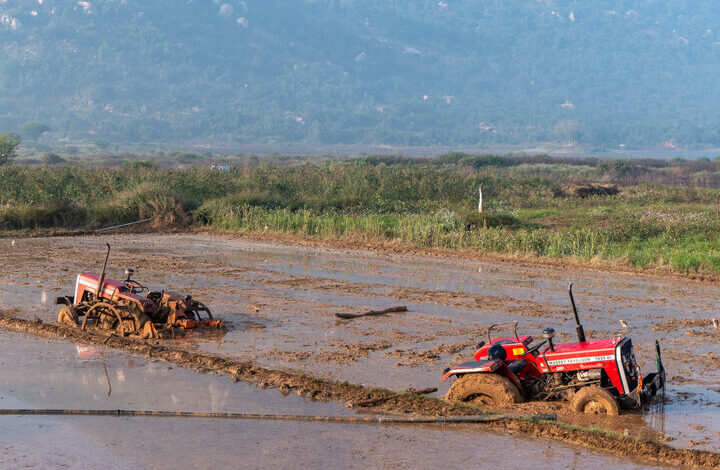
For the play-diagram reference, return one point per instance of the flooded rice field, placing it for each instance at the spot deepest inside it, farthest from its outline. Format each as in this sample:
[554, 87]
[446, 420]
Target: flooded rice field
[40, 373]
[280, 300]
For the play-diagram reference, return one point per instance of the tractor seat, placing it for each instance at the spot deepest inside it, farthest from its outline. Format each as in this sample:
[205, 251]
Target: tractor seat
[516, 365]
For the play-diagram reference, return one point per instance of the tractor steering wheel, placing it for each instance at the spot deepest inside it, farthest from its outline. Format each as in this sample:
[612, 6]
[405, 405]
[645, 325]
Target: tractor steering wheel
[134, 287]
[534, 348]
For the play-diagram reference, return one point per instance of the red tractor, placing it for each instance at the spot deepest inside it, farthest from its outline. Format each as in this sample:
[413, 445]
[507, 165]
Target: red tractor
[129, 308]
[597, 377]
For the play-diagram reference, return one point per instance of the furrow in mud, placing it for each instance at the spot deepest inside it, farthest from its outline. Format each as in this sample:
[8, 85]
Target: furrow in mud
[385, 401]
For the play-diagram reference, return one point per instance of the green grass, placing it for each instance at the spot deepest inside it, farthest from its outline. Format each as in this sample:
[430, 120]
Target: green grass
[421, 204]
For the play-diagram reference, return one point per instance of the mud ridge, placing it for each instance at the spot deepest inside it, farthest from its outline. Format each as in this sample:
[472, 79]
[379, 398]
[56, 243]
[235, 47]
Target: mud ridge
[388, 401]
[527, 260]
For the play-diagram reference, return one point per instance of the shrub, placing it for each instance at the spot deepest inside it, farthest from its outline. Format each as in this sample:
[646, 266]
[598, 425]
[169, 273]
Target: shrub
[52, 159]
[474, 220]
[8, 147]
[27, 217]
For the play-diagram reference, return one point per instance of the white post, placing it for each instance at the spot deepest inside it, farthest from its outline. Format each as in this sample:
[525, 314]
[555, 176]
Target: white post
[480, 199]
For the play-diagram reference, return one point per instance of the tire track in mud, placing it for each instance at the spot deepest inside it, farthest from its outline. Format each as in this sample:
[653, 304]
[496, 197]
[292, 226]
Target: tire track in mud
[388, 401]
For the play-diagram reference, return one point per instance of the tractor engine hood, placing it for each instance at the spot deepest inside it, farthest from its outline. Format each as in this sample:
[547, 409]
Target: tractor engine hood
[112, 289]
[579, 356]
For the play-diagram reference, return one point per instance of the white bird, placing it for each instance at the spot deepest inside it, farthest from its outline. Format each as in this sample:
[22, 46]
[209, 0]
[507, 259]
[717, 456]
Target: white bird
[13, 243]
[715, 324]
[624, 325]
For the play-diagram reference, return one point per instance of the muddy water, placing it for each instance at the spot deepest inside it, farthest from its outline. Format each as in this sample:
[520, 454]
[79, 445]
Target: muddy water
[37, 373]
[280, 300]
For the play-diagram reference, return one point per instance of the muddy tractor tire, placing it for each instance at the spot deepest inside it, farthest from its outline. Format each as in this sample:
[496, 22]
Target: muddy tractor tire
[143, 324]
[484, 389]
[68, 316]
[104, 316]
[594, 400]
[148, 331]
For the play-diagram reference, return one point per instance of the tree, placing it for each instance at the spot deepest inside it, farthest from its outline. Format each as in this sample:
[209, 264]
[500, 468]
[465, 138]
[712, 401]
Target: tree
[8, 147]
[33, 129]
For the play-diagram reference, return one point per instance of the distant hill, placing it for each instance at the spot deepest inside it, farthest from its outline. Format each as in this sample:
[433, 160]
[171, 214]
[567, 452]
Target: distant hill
[403, 72]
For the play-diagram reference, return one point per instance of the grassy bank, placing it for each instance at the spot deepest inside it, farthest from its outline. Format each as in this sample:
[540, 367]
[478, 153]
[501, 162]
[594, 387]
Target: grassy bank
[420, 204]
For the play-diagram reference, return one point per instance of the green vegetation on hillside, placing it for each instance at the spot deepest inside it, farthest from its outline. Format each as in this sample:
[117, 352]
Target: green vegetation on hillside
[402, 72]
[529, 209]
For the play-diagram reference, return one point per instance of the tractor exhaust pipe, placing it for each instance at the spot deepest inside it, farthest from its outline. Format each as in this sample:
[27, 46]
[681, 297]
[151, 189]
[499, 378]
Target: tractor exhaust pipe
[579, 327]
[101, 279]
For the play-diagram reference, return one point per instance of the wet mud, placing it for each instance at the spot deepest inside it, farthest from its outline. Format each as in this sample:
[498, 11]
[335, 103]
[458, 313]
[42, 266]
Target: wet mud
[45, 373]
[280, 301]
[42, 373]
[384, 401]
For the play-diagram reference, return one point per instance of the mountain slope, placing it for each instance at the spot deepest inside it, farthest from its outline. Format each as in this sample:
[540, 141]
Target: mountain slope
[633, 73]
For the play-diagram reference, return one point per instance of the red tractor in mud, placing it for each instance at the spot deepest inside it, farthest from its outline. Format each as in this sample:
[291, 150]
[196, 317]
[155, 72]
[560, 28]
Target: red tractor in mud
[129, 308]
[597, 377]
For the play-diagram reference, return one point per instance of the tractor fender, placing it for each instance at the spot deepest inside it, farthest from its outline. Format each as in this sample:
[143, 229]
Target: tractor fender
[65, 300]
[474, 367]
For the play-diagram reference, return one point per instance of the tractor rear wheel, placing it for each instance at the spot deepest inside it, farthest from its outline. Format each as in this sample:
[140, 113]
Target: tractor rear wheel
[140, 319]
[594, 400]
[484, 389]
[112, 317]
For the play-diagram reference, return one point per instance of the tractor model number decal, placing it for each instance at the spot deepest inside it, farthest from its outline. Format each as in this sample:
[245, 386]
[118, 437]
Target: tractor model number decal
[578, 360]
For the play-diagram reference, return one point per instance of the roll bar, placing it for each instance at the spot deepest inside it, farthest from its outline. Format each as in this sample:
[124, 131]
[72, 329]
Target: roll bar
[514, 324]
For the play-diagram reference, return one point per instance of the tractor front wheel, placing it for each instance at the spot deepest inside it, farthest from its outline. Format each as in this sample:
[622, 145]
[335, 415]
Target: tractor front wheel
[68, 316]
[594, 400]
[484, 389]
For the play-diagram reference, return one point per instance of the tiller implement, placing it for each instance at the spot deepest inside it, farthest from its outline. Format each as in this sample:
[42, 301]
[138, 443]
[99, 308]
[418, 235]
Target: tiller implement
[129, 308]
[597, 377]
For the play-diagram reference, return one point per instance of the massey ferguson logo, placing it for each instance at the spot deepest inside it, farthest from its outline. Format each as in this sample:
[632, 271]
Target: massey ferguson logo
[581, 360]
